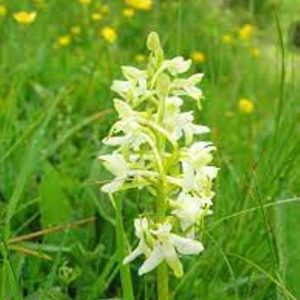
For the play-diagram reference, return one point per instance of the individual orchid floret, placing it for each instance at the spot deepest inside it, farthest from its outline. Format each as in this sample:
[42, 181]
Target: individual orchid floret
[125, 172]
[199, 154]
[117, 165]
[134, 88]
[177, 65]
[190, 210]
[168, 246]
[142, 232]
[197, 180]
[162, 245]
[188, 87]
[134, 135]
[181, 123]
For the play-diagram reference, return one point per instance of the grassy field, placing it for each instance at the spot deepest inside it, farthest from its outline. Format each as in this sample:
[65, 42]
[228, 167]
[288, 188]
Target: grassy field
[56, 68]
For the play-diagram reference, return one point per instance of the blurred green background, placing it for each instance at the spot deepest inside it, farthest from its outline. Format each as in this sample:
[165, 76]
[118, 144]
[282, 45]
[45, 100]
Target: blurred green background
[57, 62]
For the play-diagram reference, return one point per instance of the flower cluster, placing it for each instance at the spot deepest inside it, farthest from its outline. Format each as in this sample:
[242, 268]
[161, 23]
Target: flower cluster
[156, 150]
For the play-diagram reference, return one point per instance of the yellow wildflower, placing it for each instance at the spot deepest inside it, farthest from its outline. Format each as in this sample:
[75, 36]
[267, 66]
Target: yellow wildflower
[246, 106]
[246, 31]
[198, 57]
[75, 30]
[140, 58]
[227, 39]
[85, 2]
[140, 4]
[109, 34]
[25, 17]
[64, 40]
[96, 17]
[3, 10]
[255, 52]
[128, 12]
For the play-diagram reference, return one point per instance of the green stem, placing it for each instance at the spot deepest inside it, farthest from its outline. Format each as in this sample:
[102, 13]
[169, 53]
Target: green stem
[162, 272]
[8, 282]
[120, 236]
[163, 282]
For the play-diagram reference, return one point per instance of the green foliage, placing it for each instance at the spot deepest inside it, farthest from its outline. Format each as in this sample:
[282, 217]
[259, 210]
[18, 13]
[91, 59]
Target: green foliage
[54, 205]
[53, 115]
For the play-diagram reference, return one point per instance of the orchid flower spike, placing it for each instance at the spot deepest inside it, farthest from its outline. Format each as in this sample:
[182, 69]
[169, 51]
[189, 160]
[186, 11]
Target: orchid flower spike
[159, 148]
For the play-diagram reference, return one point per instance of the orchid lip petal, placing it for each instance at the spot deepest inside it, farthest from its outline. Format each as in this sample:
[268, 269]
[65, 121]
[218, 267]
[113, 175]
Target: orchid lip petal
[152, 261]
[187, 246]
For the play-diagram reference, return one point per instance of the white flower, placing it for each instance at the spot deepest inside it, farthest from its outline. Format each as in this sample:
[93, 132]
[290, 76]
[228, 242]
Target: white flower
[178, 123]
[187, 87]
[134, 136]
[128, 123]
[190, 209]
[186, 125]
[177, 65]
[198, 181]
[135, 75]
[204, 180]
[141, 230]
[199, 154]
[134, 170]
[124, 110]
[117, 165]
[122, 87]
[188, 180]
[168, 247]
[197, 176]
[135, 86]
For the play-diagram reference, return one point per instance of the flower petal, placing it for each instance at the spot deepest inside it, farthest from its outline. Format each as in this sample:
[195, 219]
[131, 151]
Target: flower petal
[153, 260]
[115, 140]
[141, 225]
[188, 176]
[177, 65]
[133, 255]
[123, 109]
[132, 73]
[186, 246]
[113, 186]
[172, 259]
[115, 163]
[121, 87]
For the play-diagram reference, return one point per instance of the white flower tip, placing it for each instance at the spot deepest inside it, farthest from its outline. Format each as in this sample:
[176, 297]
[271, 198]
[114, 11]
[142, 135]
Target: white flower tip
[104, 189]
[141, 272]
[197, 78]
[126, 260]
[105, 142]
[178, 273]
[200, 248]
[101, 157]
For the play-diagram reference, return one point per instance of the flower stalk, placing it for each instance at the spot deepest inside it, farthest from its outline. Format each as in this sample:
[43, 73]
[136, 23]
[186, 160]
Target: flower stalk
[156, 150]
[162, 271]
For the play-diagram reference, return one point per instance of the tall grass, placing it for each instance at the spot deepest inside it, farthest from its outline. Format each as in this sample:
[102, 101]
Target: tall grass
[55, 108]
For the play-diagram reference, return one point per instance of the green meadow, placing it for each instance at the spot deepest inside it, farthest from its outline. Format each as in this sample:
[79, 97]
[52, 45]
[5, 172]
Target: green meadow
[59, 234]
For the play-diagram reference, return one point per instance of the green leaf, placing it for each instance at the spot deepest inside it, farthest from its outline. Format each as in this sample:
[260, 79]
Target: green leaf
[289, 246]
[54, 205]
